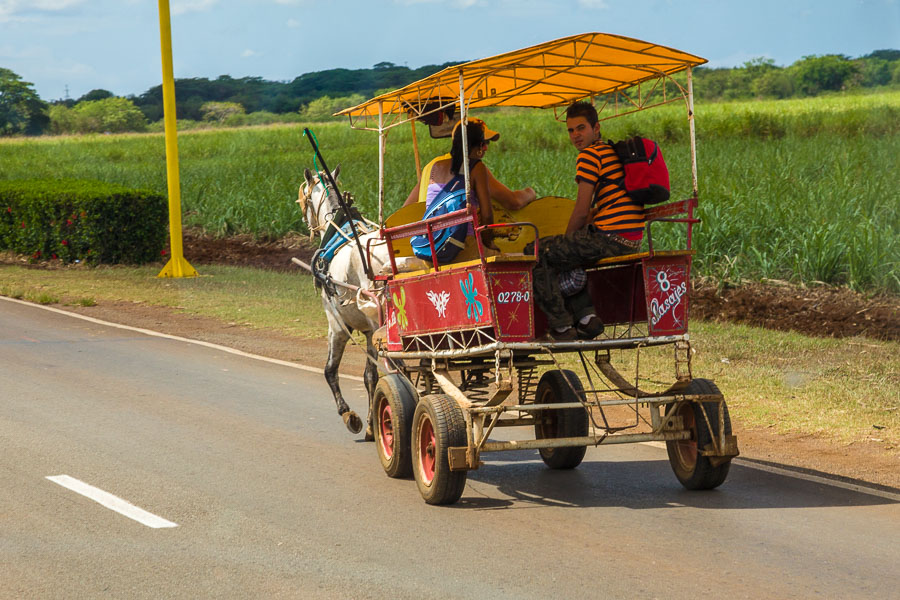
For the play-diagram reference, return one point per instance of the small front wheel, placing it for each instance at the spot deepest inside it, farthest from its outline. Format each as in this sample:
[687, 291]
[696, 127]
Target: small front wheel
[693, 470]
[394, 405]
[554, 388]
[438, 424]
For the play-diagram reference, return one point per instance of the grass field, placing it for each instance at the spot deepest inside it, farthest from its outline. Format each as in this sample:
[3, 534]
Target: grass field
[802, 190]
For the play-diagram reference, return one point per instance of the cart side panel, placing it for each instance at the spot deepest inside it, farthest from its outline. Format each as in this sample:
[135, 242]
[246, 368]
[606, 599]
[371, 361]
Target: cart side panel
[667, 284]
[449, 300]
[618, 294]
[512, 299]
[394, 343]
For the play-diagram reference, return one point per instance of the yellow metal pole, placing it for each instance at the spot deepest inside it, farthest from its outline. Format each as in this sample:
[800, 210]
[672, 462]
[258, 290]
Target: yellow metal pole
[416, 150]
[177, 265]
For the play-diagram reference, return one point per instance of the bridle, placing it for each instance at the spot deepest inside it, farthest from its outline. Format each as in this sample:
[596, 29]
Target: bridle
[315, 221]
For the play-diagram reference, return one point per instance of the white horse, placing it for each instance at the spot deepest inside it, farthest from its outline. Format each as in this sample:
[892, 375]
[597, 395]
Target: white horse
[351, 306]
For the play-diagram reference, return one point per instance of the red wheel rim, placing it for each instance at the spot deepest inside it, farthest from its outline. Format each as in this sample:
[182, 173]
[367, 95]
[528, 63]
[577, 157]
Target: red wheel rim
[426, 450]
[687, 449]
[386, 426]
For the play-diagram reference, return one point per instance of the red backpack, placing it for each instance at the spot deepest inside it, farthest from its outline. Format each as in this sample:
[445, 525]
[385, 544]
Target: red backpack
[646, 175]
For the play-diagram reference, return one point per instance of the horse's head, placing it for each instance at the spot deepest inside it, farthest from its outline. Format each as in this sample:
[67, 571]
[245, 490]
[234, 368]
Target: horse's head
[317, 202]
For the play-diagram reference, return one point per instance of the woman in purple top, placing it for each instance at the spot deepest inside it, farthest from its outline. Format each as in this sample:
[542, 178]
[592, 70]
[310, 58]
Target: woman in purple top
[509, 199]
[447, 176]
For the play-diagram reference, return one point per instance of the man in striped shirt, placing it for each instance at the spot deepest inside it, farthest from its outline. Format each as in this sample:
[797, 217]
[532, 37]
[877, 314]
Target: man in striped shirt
[604, 223]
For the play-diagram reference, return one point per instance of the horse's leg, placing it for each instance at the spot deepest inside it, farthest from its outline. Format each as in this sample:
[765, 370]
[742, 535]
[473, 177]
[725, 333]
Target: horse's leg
[371, 379]
[337, 341]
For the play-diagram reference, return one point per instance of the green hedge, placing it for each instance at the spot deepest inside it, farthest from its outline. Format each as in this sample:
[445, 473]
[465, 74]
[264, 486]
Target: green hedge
[87, 221]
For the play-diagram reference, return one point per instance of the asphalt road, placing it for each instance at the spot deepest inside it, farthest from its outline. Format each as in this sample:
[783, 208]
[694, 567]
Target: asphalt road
[274, 499]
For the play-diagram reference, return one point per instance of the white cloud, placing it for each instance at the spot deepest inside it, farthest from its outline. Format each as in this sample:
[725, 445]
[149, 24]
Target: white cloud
[593, 4]
[10, 51]
[11, 10]
[248, 53]
[734, 59]
[41, 63]
[180, 7]
[293, 23]
[455, 3]
[48, 4]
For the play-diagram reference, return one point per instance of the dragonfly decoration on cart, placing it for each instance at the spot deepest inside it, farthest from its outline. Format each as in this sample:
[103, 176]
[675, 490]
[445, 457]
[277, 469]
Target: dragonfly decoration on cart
[400, 303]
[439, 300]
[473, 305]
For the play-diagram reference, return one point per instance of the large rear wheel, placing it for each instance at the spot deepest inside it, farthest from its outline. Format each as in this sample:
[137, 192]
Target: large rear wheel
[438, 424]
[566, 422]
[394, 405]
[693, 470]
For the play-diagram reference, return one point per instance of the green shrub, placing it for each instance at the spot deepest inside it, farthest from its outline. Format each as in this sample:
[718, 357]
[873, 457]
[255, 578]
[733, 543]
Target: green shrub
[218, 112]
[62, 120]
[109, 115]
[322, 109]
[75, 220]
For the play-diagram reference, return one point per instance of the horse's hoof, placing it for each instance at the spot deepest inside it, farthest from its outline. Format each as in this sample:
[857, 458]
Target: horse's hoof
[370, 437]
[352, 421]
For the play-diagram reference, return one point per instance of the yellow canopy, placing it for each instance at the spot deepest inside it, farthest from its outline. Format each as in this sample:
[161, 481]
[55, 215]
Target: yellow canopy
[547, 75]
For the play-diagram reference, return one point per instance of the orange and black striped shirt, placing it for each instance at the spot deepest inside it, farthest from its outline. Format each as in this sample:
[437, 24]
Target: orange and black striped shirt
[611, 208]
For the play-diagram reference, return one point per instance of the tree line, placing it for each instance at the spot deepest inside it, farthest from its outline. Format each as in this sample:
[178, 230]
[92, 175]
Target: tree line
[315, 96]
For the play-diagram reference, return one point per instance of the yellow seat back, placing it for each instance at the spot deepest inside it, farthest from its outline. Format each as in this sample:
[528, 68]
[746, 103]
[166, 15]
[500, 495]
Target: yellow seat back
[550, 214]
[407, 214]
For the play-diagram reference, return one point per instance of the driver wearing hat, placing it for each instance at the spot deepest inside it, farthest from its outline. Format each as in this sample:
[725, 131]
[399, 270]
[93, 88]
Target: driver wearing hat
[509, 199]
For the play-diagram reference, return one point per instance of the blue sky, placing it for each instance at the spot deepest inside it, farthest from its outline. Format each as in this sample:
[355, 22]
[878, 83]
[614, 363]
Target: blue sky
[82, 45]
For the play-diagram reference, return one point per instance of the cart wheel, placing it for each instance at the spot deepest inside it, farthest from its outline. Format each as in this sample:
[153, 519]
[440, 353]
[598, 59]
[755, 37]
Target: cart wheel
[693, 470]
[394, 404]
[438, 425]
[565, 422]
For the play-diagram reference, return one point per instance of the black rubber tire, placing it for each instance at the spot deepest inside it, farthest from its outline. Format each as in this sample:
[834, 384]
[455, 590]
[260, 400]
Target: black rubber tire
[694, 471]
[394, 403]
[566, 422]
[438, 424]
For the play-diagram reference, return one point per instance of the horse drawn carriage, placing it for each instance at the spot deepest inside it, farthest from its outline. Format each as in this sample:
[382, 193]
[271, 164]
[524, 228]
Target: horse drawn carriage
[463, 344]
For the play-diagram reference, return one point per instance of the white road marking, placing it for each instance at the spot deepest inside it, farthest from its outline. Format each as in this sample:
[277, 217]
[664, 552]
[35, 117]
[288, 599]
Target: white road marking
[150, 332]
[855, 487]
[111, 502]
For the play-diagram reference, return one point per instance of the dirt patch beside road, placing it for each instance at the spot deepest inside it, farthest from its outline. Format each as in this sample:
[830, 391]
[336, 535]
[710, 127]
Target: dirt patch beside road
[819, 311]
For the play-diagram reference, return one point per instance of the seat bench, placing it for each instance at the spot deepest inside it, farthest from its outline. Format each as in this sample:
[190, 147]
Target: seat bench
[662, 213]
[499, 258]
[407, 222]
[633, 258]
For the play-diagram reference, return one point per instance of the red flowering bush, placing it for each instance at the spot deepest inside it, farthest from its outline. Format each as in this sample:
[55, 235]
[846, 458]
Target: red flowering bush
[82, 220]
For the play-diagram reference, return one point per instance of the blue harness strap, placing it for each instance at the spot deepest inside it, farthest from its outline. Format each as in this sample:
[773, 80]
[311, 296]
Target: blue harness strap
[337, 241]
[323, 256]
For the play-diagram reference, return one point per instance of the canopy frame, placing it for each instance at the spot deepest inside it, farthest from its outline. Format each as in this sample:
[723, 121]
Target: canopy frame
[615, 69]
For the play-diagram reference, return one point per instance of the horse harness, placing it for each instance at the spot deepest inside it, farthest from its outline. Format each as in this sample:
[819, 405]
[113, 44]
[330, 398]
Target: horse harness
[338, 231]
